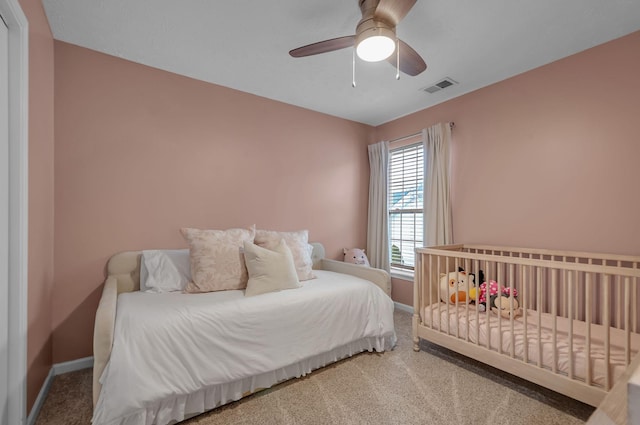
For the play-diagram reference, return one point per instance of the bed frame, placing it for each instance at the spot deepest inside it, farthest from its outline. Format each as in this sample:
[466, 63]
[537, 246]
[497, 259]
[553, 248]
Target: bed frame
[123, 275]
[590, 300]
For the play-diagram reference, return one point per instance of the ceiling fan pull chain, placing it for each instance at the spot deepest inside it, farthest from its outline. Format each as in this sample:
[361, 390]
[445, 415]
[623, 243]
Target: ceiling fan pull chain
[353, 69]
[397, 58]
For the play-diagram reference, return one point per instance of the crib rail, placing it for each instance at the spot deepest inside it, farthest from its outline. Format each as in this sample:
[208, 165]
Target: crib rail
[578, 319]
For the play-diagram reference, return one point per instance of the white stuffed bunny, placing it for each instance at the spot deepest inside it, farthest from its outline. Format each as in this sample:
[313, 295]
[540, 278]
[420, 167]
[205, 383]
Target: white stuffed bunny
[356, 256]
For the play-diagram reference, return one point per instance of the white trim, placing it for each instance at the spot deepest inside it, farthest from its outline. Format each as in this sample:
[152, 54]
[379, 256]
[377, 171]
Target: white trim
[72, 366]
[403, 307]
[402, 275]
[42, 396]
[56, 369]
[18, 207]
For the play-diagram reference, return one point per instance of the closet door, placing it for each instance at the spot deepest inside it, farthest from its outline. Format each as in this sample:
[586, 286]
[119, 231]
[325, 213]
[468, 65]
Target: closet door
[4, 217]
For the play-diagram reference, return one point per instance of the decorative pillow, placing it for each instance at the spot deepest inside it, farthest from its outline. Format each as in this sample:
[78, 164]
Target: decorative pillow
[298, 243]
[164, 270]
[217, 262]
[269, 271]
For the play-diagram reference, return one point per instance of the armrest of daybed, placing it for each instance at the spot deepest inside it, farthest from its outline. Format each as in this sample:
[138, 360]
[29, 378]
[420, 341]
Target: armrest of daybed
[123, 275]
[378, 276]
[103, 332]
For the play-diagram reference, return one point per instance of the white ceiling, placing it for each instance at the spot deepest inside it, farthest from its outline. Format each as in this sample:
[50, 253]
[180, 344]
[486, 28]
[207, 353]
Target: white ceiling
[244, 44]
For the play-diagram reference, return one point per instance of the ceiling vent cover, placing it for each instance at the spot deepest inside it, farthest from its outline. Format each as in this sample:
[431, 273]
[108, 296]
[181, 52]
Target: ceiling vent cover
[440, 85]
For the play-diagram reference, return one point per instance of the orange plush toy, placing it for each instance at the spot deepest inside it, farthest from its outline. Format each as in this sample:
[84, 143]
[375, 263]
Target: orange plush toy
[454, 287]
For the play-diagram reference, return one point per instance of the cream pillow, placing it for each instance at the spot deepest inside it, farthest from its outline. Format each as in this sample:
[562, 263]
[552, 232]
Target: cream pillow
[216, 258]
[269, 271]
[298, 243]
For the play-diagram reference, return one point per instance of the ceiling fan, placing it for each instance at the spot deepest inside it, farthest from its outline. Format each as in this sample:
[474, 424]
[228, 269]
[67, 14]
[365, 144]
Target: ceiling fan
[375, 39]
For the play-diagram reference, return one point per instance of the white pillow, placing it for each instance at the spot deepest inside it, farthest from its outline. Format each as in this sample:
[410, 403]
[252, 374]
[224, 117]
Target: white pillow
[298, 243]
[164, 270]
[269, 271]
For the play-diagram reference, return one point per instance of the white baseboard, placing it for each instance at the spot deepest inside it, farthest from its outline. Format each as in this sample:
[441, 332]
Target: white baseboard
[403, 307]
[42, 395]
[56, 369]
[72, 366]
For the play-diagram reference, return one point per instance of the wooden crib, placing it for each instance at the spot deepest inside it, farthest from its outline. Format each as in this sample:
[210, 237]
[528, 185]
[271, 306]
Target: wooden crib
[578, 327]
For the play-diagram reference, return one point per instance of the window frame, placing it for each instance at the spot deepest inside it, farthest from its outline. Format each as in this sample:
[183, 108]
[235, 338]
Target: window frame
[406, 144]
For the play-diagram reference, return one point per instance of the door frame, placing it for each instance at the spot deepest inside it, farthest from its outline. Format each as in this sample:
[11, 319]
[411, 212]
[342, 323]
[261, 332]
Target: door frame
[18, 208]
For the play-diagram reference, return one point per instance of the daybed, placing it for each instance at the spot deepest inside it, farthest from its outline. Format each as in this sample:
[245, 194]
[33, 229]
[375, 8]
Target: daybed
[576, 332]
[160, 358]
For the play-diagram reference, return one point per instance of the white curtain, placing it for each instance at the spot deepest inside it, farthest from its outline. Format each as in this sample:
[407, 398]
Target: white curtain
[438, 228]
[378, 218]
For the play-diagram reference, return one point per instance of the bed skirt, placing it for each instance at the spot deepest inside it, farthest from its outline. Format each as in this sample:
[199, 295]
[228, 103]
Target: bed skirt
[183, 407]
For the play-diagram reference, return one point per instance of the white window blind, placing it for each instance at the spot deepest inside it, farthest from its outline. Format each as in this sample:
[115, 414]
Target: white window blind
[406, 205]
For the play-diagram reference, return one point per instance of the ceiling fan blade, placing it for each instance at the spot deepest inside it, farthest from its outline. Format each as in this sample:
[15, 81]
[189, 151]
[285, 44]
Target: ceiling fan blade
[410, 61]
[324, 46]
[393, 11]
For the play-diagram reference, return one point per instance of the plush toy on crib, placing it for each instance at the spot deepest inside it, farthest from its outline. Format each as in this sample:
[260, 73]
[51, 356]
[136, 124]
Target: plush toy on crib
[500, 299]
[356, 256]
[454, 286]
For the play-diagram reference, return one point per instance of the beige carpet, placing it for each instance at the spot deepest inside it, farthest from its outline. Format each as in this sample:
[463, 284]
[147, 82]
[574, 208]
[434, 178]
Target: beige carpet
[434, 386]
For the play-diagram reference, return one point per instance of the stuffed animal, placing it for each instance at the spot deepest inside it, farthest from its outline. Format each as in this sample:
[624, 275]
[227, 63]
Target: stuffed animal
[501, 304]
[499, 298]
[474, 281]
[453, 286]
[355, 256]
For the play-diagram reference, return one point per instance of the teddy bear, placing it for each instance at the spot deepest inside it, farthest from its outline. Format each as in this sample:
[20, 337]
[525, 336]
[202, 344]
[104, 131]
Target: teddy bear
[454, 286]
[355, 256]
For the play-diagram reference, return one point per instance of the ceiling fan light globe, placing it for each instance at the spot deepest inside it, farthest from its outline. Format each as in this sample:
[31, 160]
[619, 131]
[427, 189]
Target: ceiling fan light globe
[375, 48]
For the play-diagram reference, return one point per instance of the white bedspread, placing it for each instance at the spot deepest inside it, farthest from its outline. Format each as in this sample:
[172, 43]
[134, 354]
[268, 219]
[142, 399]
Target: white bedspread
[167, 346]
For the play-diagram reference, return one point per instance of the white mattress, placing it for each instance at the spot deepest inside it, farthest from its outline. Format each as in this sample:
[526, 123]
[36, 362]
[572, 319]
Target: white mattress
[176, 354]
[458, 320]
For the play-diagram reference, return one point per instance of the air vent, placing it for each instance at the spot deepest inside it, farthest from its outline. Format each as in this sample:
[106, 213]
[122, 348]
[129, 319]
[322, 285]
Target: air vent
[440, 85]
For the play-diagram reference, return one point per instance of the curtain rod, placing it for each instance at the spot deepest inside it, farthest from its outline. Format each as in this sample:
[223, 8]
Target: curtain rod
[451, 125]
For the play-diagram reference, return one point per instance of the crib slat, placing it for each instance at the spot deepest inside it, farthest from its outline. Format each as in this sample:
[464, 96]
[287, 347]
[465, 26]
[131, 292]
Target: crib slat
[477, 301]
[456, 265]
[511, 312]
[587, 301]
[607, 336]
[446, 270]
[564, 294]
[431, 280]
[627, 328]
[437, 283]
[634, 303]
[554, 313]
[525, 300]
[618, 305]
[487, 309]
[500, 278]
[468, 269]
[570, 312]
[539, 284]
[577, 294]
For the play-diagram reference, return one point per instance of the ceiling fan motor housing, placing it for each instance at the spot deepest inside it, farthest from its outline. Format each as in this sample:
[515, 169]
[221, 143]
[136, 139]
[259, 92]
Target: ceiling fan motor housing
[373, 27]
[370, 25]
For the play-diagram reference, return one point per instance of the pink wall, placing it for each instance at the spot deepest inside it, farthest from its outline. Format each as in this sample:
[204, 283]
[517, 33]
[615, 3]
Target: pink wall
[547, 159]
[39, 343]
[141, 152]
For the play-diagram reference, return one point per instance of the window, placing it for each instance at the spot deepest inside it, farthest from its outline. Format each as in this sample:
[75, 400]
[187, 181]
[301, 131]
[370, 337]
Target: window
[406, 205]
